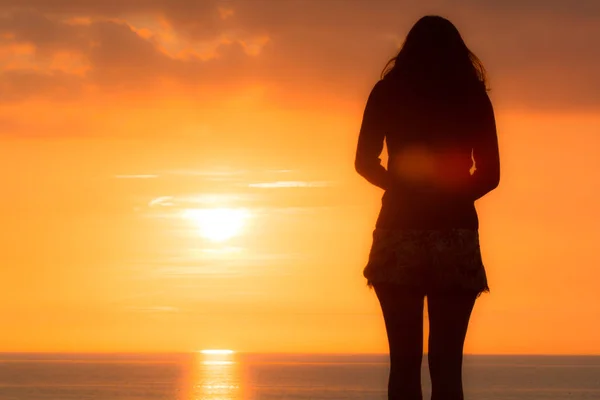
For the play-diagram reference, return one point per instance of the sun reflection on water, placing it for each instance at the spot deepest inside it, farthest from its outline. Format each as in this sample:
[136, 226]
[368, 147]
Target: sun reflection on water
[216, 376]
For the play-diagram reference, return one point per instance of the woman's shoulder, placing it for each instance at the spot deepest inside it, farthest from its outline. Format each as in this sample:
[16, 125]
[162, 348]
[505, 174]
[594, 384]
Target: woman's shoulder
[380, 87]
[380, 95]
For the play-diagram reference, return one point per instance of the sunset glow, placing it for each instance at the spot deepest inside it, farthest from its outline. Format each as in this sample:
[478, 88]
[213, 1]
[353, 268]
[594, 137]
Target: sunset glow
[179, 175]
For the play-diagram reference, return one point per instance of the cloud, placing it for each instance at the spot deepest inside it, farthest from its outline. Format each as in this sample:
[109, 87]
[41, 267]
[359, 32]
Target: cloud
[537, 53]
[120, 55]
[46, 34]
[40, 48]
[17, 85]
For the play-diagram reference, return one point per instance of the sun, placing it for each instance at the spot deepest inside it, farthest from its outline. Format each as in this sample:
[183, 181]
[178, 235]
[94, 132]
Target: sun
[218, 224]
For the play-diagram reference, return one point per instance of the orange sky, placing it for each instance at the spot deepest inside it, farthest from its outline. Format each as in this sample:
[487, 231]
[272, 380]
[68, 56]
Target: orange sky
[118, 118]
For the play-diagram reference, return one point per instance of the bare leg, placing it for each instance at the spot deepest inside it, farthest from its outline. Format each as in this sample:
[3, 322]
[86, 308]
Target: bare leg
[448, 322]
[403, 316]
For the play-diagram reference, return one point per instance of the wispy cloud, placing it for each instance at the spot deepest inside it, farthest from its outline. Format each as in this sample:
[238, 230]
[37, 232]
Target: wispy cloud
[137, 176]
[290, 184]
[153, 309]
[164, 201]
[211, 173]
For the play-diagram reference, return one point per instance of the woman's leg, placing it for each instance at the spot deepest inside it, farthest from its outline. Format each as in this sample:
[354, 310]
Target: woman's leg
[403, 316]
[448, 321]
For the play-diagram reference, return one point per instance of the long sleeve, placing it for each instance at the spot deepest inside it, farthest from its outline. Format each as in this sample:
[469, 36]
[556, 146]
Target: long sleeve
[371, 139]
[485, 153]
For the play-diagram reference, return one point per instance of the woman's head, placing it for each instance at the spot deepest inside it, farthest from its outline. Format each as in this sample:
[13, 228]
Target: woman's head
[434, 54]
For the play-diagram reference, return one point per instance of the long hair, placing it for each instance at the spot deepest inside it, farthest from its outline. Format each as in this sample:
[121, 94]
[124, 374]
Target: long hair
[435, 55]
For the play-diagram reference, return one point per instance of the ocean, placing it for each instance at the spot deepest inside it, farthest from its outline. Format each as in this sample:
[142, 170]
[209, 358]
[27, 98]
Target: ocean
[199, 376]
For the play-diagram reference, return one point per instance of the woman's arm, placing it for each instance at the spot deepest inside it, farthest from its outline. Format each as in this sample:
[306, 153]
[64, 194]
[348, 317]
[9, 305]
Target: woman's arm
[370, 140]
[485, 153]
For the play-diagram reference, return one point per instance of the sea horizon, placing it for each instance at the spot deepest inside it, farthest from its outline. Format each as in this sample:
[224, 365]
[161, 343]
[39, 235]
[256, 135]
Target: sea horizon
[226, 375]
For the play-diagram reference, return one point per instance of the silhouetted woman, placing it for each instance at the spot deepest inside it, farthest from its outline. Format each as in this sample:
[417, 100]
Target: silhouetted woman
[432, 110]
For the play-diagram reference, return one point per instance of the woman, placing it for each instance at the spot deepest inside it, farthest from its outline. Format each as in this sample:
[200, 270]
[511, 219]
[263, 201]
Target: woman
[432, 110]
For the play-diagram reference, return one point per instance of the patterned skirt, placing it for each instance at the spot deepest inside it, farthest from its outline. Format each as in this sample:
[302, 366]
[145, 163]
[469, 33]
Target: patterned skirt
[427, 260]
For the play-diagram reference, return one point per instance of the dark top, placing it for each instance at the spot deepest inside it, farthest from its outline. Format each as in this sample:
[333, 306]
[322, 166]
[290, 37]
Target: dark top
[443, 155]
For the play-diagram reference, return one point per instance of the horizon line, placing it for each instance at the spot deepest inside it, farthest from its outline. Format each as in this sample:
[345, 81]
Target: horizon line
[281, 353]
